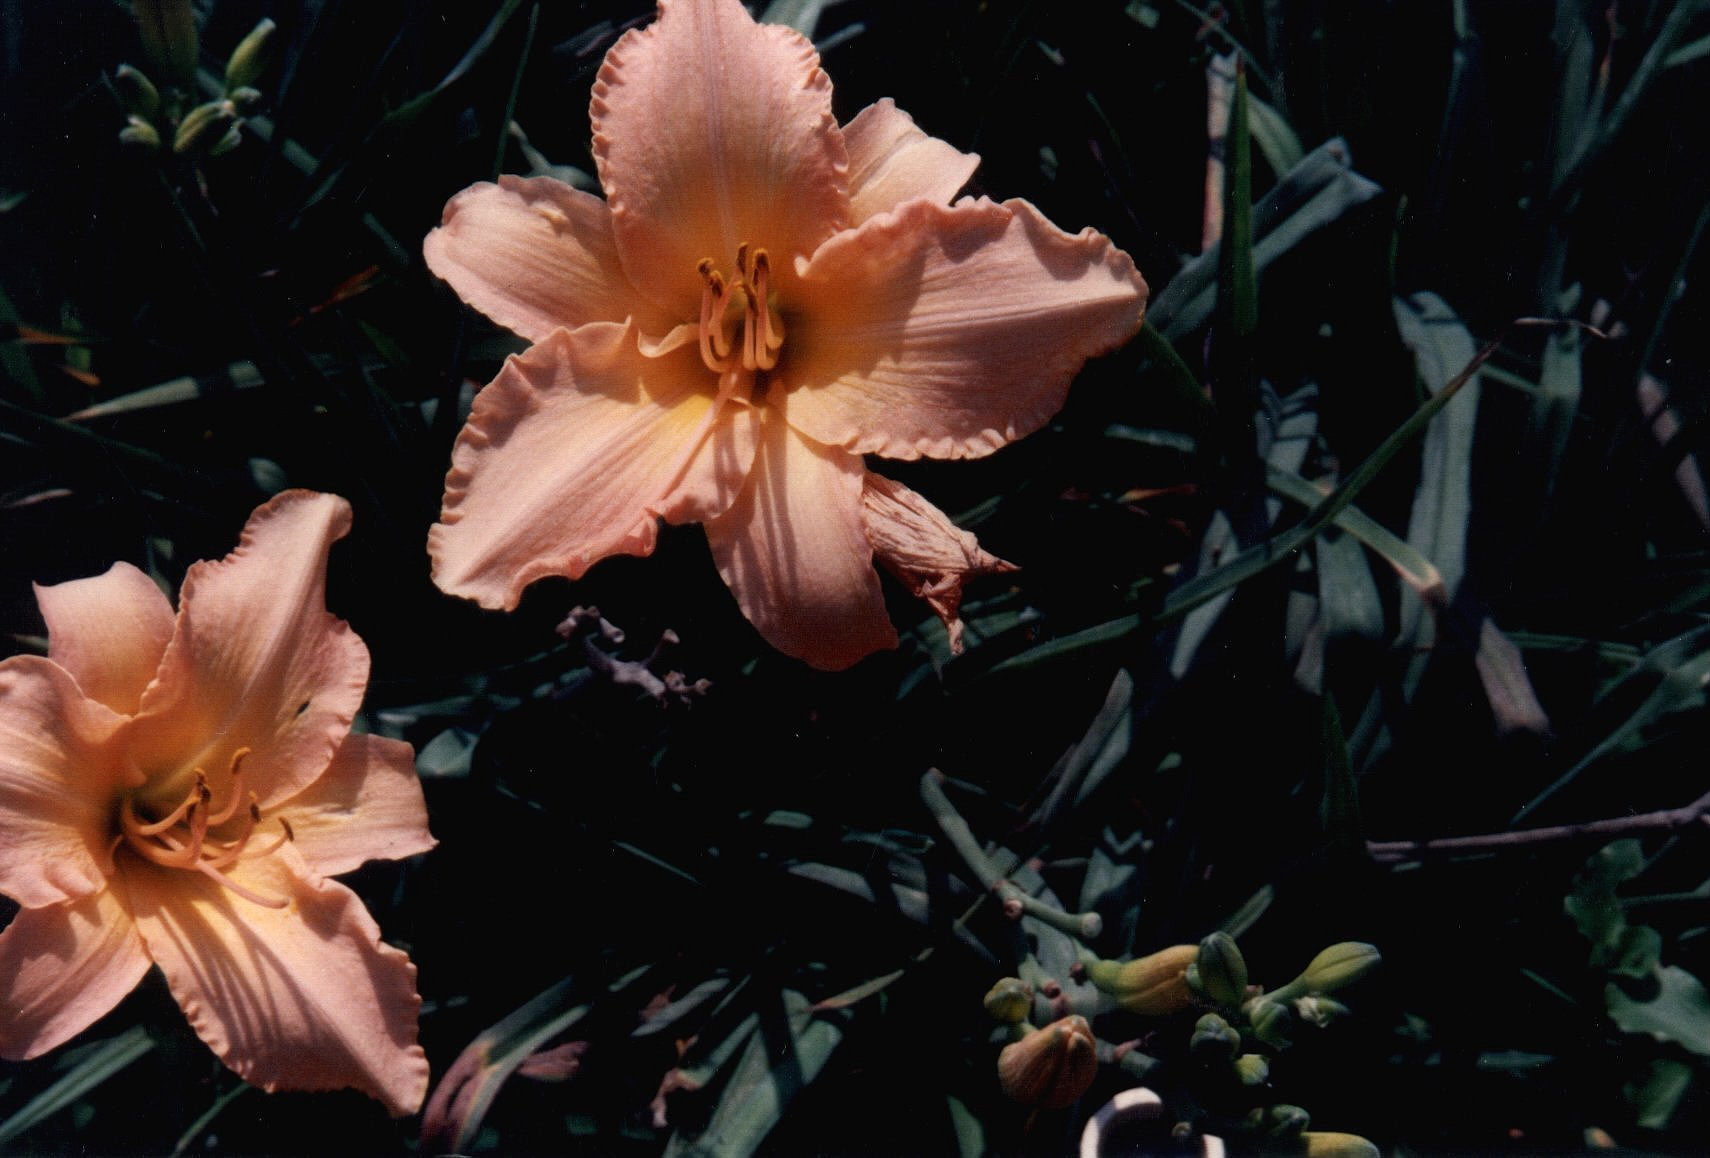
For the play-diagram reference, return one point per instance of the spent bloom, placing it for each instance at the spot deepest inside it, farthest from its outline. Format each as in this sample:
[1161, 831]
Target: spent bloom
[762, 298]
[176, 790]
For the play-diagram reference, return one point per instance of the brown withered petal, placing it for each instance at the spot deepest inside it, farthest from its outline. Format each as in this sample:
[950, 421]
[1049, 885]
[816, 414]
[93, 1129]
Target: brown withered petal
[1050, 1067]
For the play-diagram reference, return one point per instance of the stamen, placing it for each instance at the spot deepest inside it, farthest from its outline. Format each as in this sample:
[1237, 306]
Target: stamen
[715, 298]
[134, 826]
[234, 848]
[771, 330]
[231, 807]
[247, 894]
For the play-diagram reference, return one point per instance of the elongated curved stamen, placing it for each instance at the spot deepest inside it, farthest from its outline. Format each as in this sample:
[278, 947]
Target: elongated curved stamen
[762, 329]
[180, 838]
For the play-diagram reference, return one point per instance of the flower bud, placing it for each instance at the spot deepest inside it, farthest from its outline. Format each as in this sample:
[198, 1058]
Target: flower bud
[1214, 1039]
[232, 139]
[1154, 985]
[1271, 1021]
[168, 30]
[136, 91]
[141, 133]
[1318, 1010]
[203, 126]
[1222, 970]
[1285, 1121]
[1318, 1144]
[1050, 1067]
[1335, 968]
[1010, 1000]
[249, 59]
[1253, 1069]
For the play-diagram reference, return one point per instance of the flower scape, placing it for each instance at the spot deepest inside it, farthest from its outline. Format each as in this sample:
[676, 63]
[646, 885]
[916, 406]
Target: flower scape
[570, 586]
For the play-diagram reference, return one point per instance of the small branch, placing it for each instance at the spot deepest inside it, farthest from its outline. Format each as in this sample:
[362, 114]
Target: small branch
[1016, 901]
[1666, 820]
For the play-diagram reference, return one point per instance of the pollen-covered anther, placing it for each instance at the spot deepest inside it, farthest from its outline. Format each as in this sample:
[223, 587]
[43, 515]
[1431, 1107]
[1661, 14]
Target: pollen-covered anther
[749, 296]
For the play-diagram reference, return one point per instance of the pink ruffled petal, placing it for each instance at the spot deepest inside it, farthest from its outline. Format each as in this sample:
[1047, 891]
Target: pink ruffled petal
[919, 544]
[64, 966]
[534, 254]
[950, 331]
[61, 773]
[891, 161]
[794, 552]
[108, 631]
[711, 131]
[573, 452]
[257, 662]
[367, 806]
[305, 997]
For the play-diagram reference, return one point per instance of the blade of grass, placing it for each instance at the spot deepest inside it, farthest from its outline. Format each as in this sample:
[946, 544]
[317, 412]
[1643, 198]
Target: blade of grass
[99, 1064]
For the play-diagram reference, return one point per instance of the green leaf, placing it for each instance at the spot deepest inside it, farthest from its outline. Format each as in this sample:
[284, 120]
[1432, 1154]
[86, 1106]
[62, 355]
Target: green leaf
[1680, 1012]
[1636, 951]
[1340, 808]
[97, 1063]
[802, 15]
[1592, 904]
[783, 1058]
[1656, 1095]
[1274, 136]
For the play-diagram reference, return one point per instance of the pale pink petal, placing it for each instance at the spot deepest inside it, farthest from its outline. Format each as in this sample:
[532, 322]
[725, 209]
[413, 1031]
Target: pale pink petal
[711, 131]
[573, 452]
[367, 806]
[891, 161]
[919, 544]
[301, 998]
[533, 254]
[950, 331]
[795, 553]
[108, 631]
[256, 662]
[61, 773]
[63, 967]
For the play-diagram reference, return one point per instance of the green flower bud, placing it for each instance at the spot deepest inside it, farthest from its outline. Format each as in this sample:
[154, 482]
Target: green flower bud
[1253, 1069]
[1271, 1021]
[1214, 1039]
[1285, 1121]
[1222, 970]
[232, 139]
[1050, 1067]
[1317, 1144]
[168, 30]
[1010, 1000]
[140, 133]
[1339, 966]
[136, 91]
[1154, 985]
[245, 97]
[249, 59]
[202, 126]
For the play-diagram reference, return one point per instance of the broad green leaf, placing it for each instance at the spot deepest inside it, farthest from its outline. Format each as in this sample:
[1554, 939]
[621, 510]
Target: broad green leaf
[1680, 1012]
[1636, 951]
[1593, 904]
[782, 1058]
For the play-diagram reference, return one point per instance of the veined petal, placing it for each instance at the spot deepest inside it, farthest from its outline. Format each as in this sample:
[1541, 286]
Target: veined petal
[301, 998]
[534, 254]
[794, 552]
[367, 806]
[109, 631]
[711, 131]
[919, 544]
[61, 772]
[573, 452]
[891, 161]
[256, 662]
[950, 331]
[64, 966]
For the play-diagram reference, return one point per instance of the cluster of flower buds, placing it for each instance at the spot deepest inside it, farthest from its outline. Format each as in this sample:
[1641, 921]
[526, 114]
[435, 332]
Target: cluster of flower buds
[162, 116]
[1229, 1053]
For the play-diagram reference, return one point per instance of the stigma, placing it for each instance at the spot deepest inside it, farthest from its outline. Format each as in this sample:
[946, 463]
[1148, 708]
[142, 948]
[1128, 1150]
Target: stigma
[185, 837]
[740, 325]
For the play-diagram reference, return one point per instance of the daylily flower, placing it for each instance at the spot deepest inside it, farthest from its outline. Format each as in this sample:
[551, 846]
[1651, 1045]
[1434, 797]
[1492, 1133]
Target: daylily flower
[176, 790]
[762, 298]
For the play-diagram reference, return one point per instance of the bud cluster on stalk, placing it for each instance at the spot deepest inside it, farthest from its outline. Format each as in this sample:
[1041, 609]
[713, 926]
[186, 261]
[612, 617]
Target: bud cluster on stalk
[1219, 1076]
[159, 111]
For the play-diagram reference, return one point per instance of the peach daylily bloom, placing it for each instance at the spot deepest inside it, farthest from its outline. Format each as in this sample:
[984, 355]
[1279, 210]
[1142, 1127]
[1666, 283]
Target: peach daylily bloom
[762, 298]
[176, 790]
